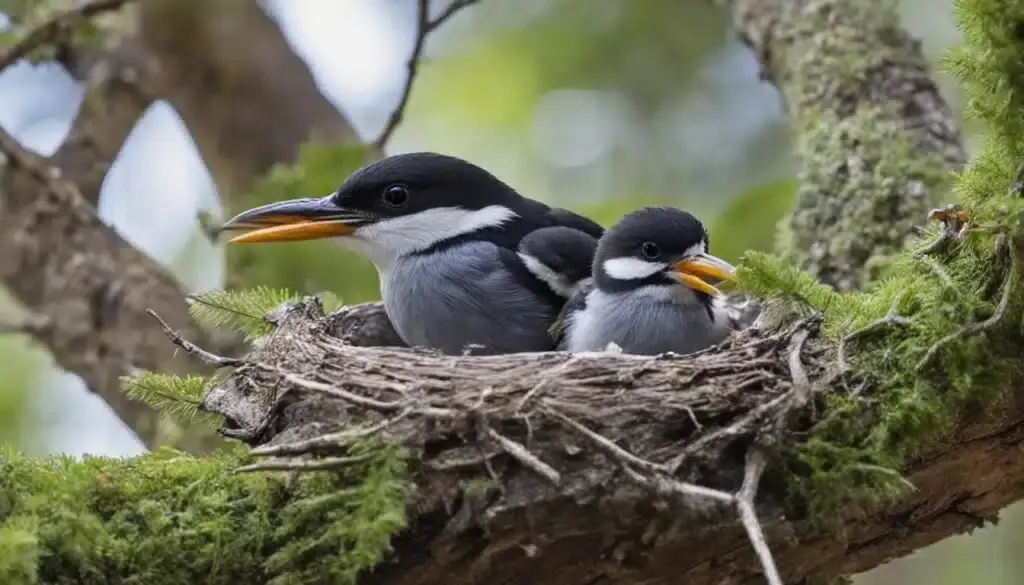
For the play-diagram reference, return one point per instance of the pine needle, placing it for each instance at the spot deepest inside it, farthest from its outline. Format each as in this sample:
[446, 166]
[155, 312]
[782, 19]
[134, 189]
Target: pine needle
[240, 310]
[177, 397]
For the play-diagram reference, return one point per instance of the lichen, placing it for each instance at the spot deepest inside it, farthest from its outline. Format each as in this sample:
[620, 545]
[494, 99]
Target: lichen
[867, 173]
[897, 404]
[167, 517]
[864, 185]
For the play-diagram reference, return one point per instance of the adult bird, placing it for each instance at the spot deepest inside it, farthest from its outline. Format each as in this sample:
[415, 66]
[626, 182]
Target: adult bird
[650, 291]
[443, 234]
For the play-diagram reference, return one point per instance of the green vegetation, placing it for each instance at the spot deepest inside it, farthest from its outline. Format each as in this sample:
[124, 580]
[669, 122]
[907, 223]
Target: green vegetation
[921, 375]
[169, 518]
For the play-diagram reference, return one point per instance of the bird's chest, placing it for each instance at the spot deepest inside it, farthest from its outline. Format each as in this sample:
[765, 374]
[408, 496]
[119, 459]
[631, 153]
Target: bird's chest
[645, 324]
[461, 296]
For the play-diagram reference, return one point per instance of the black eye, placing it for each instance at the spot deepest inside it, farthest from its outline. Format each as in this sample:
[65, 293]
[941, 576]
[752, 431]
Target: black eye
[650, 250]
[396, 195]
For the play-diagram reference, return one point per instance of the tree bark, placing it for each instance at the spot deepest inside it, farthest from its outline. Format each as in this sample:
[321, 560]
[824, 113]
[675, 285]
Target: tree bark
[249, 102]
[875, 138]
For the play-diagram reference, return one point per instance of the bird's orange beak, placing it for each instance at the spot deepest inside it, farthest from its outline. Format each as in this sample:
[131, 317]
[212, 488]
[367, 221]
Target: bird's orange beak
[693, 270]
[294, 220]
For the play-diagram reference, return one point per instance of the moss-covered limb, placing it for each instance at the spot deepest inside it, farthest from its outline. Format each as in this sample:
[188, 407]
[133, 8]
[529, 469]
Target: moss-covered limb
[169, 518]
[875, 140]
[483, 512]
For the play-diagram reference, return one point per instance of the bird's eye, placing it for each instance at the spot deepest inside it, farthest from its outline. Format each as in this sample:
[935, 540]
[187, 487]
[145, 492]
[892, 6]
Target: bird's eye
[396, 195]
[650, 250]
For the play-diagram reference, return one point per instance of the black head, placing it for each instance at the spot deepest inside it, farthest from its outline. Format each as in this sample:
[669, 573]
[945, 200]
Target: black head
[405, 184]
[560, 256]
[658, 246]
[402, 204]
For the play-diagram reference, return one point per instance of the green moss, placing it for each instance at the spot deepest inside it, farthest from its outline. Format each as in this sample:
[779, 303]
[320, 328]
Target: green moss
[170, 518]
[850, 462]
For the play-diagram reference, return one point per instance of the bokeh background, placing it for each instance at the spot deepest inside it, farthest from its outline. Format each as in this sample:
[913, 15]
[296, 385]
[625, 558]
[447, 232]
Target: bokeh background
[598, 105]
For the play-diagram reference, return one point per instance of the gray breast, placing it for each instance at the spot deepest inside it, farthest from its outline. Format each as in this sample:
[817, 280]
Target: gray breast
[464, 295]
[646, 322]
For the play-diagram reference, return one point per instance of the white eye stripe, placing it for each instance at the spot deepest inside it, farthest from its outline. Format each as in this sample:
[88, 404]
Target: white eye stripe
[629, 268]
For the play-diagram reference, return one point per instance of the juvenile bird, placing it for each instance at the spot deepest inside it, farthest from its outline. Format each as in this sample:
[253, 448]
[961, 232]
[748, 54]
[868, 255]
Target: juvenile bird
[443, 234]
[650, 292]
[560, 256]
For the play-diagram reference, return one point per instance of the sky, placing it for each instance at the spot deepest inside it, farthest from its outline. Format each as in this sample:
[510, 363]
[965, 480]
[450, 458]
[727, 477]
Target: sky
[159, 173]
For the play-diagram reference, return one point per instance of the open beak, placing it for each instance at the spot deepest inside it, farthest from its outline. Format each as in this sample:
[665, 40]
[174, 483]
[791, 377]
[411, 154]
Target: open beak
[295, 220]
[693, 270]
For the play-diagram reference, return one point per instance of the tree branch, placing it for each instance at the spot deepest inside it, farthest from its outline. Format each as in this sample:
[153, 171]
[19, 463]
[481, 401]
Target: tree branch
[172, 51]
[424, 26]
[560, 494]
[874, 137]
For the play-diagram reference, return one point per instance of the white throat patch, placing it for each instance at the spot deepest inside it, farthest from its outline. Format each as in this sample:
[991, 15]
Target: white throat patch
[384, 241]
[629, 268]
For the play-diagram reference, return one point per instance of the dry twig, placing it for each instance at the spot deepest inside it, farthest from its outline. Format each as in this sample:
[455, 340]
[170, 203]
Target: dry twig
[324, 464]
[193, 349]
[748, 515]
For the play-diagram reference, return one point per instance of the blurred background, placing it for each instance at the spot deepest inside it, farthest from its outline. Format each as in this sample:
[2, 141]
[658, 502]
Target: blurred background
[598, 105]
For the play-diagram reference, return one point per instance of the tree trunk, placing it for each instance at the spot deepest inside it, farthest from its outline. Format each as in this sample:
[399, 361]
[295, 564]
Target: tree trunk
[249, 102]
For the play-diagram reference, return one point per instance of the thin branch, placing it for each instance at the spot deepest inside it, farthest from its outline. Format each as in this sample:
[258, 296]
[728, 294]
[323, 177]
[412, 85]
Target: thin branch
[520, 454]
[58, 22]
[371, 403]
[892, 318]
[801, 383]
[424, 26]
[748, 515]
[193, 349]
[329, 440]
[980, 327]
[605, 444]
[325, 464]
[747, 421]
[34, 325]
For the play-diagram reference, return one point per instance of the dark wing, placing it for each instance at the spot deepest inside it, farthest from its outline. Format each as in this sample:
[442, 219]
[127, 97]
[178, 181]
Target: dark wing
[576, 221]
[576, 302]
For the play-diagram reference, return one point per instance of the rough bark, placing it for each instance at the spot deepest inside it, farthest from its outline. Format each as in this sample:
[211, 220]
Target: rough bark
[849, 74]
[249, 102]
[87, 287]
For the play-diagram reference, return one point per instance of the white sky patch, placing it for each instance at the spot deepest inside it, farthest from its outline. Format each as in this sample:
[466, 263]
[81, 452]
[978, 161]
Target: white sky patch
[356, 49]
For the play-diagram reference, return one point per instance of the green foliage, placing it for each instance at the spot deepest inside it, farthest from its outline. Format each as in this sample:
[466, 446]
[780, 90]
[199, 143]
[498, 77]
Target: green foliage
[169, 518]
[240, 310]
[174, 396]
[905, 404]
[304, 266]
